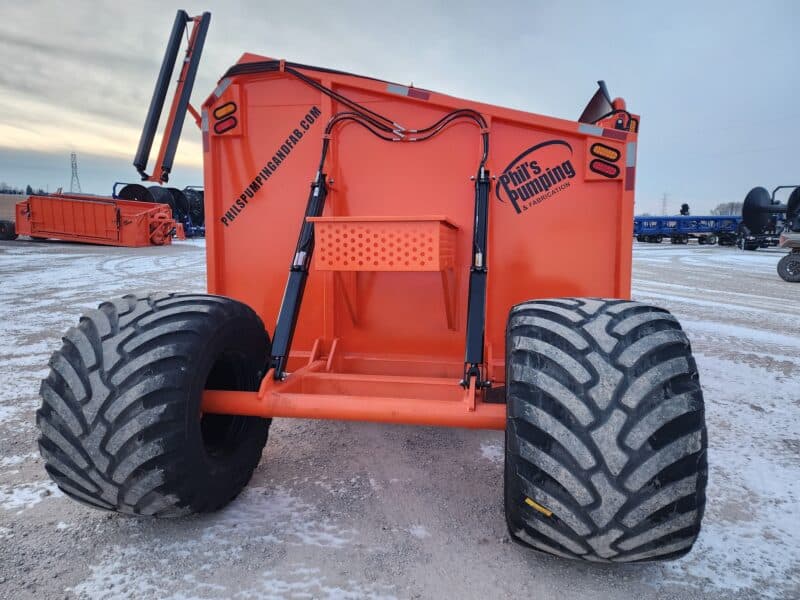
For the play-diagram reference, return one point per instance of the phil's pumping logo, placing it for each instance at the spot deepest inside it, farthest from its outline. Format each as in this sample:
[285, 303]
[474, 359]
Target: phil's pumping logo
[539, 173]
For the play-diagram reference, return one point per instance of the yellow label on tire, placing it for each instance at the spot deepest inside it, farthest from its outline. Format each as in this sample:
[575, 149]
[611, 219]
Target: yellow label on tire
[538, 507]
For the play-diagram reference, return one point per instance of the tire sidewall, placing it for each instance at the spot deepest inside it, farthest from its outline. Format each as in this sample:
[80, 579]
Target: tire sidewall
[218, 475]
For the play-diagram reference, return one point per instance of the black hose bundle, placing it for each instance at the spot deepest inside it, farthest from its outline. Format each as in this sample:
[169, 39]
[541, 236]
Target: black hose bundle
[385, 128]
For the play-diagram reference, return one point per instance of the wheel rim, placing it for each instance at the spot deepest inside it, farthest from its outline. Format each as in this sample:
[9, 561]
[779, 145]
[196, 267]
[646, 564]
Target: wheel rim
[222, 434]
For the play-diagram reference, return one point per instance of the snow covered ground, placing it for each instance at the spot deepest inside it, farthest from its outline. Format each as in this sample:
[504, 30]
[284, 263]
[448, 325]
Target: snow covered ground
[350, 510]
[744, 324]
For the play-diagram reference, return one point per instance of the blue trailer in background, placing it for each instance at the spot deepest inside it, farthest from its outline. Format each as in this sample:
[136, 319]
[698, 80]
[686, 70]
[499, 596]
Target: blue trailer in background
[708, 230]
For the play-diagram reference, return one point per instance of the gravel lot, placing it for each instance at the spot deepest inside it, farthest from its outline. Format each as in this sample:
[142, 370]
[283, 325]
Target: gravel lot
[352, 510]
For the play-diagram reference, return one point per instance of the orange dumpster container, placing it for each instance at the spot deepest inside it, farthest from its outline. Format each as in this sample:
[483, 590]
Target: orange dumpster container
[397, 230]
[95, 220]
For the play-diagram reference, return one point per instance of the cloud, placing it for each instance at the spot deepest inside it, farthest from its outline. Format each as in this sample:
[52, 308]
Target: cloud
[51, 170]
[713, 81]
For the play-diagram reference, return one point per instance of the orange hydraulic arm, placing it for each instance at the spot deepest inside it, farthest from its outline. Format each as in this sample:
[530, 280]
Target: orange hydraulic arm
[180, 102]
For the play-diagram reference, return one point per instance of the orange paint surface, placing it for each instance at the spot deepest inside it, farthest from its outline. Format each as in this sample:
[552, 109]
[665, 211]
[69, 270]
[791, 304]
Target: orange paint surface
[556, 229]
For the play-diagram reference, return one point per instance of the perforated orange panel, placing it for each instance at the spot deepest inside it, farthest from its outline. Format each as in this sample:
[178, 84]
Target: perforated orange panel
[384, 243]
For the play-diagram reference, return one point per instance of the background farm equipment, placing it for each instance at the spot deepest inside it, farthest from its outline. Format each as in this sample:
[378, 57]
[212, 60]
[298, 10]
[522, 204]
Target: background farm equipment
[129, 217]
[764, 218]
[679, 229]
[767, 222]
[411, 268]
[94, 220]
[186, 205]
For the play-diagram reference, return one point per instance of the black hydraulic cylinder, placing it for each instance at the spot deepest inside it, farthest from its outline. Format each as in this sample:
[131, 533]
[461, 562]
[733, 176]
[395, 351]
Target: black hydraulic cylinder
[186, 94]
[160, 93]
[476, 306]
[476, 312]
[296, 284]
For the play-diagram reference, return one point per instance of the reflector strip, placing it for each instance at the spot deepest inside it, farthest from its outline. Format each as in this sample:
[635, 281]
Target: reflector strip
[223, 85]
[419, 94]
[225, 125]
[590, 129]
[630, 160]
[407, 91]
[615, 134]
[630, 178]
[603, 151]
[223, 111]
[204, 129]
[603, 168]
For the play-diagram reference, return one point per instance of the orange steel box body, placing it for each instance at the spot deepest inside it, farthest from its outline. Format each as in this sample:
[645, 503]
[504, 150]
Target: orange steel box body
[381, 332]
[95, 220]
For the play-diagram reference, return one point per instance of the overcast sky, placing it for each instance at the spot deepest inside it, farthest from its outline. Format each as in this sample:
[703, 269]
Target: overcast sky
[717, 83]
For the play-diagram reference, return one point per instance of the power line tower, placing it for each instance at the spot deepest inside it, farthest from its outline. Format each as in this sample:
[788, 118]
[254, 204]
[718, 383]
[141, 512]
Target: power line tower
[75, 183]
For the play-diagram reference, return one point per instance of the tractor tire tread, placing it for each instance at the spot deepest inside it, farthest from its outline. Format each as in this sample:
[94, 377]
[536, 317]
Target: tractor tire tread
[113, 415]
[612, 442]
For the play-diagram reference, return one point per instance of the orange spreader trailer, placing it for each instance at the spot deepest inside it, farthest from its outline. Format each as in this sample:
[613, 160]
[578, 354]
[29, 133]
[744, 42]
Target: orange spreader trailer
[381, 252]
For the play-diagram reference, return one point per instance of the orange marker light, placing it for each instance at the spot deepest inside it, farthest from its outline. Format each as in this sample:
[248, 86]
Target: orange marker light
[607, 152]
[223, 111]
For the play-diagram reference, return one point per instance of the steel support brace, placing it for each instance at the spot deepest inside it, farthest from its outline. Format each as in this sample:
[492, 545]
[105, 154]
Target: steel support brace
[476, 306]
[296, 284]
